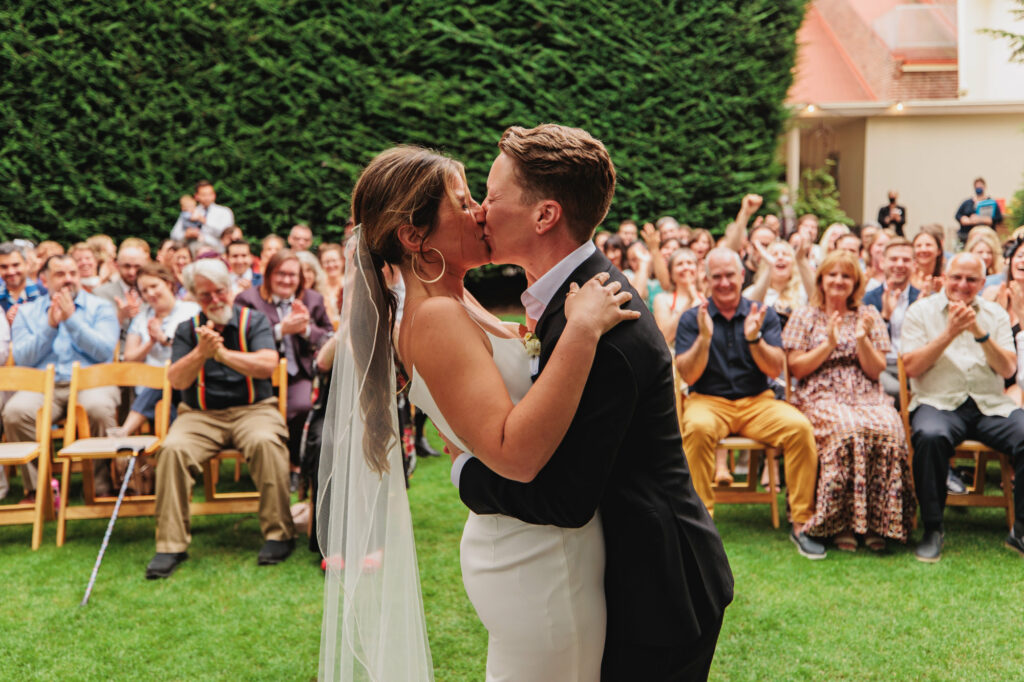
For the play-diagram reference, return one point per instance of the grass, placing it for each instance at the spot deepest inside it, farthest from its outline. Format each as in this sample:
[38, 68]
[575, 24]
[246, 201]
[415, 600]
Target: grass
[220, 617]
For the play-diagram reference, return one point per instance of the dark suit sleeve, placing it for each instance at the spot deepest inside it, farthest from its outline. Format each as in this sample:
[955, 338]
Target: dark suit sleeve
[568, 489]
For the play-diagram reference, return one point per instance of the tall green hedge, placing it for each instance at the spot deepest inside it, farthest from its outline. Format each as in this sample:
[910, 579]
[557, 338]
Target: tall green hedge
[111, 110]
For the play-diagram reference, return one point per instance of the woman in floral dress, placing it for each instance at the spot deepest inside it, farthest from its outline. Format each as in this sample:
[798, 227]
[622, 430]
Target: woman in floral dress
[836, 349]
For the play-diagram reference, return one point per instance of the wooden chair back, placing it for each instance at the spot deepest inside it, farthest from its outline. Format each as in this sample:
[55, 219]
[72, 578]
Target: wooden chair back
[14, 453]
[977, 452]
[82, 446]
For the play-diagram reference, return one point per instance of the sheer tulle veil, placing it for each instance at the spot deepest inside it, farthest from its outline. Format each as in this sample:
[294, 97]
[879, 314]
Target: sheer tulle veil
[373, 623]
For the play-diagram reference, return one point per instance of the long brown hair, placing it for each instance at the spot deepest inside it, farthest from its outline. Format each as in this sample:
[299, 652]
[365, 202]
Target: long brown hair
[275, 262]
[401, 186]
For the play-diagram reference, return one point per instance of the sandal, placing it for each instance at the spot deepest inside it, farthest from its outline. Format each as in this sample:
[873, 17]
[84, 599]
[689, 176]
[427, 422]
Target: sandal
[876, 543]
[846, 542]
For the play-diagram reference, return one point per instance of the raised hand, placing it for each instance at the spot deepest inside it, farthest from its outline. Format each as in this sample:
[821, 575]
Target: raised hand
[156, 333]
[705, 326]
[651, 237]
[960, 317]
[128, 307]
[752, 323]
[54, 316]
[598, 303]
[1016, 299]
[297, 320]
[210, 341]
[832, 329]
[802, 247]
[752, 202]
[864, 324]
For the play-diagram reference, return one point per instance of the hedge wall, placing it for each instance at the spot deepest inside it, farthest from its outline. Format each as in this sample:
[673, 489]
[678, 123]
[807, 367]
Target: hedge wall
[112, 110]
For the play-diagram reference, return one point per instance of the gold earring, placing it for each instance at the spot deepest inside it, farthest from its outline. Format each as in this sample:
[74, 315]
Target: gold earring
[429, 281]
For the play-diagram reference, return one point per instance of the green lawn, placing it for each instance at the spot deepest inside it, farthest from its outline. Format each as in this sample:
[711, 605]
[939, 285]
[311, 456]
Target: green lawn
[221, 617]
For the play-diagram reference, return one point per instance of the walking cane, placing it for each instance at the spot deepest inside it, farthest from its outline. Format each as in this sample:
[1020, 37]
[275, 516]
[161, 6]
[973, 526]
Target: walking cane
[113, 518]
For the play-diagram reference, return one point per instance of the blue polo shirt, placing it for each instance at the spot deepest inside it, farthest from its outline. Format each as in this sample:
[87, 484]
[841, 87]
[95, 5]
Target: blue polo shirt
[731, 372]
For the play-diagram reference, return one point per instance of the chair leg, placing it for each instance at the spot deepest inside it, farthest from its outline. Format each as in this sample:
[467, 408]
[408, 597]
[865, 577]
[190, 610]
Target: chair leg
[771, 461]
[238, 469]
[65, 487]
[1005, 470]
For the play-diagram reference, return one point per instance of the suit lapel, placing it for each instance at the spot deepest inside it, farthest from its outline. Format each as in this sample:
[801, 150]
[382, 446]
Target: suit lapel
[546, 326]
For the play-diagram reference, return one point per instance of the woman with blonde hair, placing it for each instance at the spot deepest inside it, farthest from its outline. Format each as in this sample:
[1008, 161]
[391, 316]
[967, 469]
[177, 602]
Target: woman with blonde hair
[670, 305]
[332, 260]
[106, 253]
[836, 350]
[873, 255]
[983, 242]
[782, 279]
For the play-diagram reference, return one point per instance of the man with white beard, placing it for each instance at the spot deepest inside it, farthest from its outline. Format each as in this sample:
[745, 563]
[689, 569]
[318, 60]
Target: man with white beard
[222, 360]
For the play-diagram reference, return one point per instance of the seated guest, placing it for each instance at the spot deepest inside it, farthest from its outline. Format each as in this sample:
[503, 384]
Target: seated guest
[65, 326]
[782, 279]
[270, 245]
[106, 251]
[313, 276]
[5, 349]
[836, 349]
[332, 260]
[892, 300]
[181, 259]
[240, 265]
[873, 255]
[727, 350]
[123, 290]
[984, 243]
[300, 238]
[928, 259]
[165, 254]
[231, 234]
[222, 362]
[957, 350]
[88, 265]
[151, 333]
[17, 288]
[670, 305]
[300, 325]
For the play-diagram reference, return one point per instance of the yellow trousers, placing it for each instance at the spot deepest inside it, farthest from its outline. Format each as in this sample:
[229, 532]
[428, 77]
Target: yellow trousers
[708, 419]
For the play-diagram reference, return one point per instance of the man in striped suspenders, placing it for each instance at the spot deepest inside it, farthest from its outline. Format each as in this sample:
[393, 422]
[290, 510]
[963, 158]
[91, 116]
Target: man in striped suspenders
[222, 361]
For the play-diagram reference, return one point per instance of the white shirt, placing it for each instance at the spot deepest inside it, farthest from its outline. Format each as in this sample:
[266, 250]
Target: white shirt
[159, 354]
[5, 337]
[218, 219]
[536, 299]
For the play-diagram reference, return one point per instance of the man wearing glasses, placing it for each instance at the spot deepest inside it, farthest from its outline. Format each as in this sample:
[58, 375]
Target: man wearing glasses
[222, 361]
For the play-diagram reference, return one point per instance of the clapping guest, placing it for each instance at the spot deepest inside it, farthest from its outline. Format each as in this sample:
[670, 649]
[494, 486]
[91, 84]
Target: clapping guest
[701, 242]
[300, 238]
[836, 349]
[151, 333]
[240, 265]
[782, 279]
[300, 325]
[181, 258]
[892, 300]
[17, 288]
[88, 265]
[123, 290]
[638, 272]
[615, 251]
[873, 254]
[669, 306]
[332, 260]
[313, 276]
[983, 242]
[928, 259]
[106, 251]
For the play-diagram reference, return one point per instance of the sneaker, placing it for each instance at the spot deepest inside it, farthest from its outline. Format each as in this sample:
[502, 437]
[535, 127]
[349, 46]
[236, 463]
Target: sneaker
[163, 564]
[929, 550]
[954, 484]
[806, 546]
[1015, 542]
[275, 551]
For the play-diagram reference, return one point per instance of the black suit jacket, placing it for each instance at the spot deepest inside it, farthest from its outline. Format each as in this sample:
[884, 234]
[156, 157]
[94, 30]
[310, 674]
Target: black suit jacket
[667, 578]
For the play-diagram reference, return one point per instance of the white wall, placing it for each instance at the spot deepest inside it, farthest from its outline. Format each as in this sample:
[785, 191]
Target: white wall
[984, 60]
[932, 160]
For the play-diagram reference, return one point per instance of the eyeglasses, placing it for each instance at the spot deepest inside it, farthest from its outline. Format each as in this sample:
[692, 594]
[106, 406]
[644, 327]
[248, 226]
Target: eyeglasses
[206, 297]
[286, 275]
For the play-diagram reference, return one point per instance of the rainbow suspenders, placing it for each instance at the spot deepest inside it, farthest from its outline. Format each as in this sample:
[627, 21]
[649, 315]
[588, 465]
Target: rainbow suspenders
[243, 345]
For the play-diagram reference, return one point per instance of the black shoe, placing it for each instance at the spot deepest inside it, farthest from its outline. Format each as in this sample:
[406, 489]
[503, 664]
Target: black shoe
[275, 551]
[1013, 541]
[806, 546]
[954, 484]
[423, 448]
[929, 550]
[163, 564]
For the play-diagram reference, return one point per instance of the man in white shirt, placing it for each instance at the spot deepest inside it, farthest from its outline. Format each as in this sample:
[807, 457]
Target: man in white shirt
[214, 218]
[957, 349]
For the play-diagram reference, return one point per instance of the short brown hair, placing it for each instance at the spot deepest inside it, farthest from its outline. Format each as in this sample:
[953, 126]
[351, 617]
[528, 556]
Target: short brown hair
[154, 269]
[848, 262]
[897, 241]
[276, 261]
[567, 165]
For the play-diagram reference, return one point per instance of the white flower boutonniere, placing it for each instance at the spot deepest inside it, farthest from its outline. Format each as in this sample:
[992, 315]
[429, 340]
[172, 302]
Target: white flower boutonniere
[532, 344]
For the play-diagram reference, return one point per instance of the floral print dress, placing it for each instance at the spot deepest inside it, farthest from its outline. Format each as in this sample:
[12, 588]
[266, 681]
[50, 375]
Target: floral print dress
[864, 478]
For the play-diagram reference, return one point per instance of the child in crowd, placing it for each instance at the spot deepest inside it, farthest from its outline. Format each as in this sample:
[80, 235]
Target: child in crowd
[189, 216]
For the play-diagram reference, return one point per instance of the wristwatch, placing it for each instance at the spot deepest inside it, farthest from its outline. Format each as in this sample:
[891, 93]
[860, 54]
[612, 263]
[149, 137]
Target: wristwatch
[756, 338]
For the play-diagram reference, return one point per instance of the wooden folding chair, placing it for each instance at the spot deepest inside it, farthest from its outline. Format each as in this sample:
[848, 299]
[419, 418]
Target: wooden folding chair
[746, 491]
[82, 446]
[979, 455]
[16, 453]
[238, 502]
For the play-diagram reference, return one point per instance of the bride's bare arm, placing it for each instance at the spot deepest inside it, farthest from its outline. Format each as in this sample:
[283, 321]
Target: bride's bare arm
[452, 355]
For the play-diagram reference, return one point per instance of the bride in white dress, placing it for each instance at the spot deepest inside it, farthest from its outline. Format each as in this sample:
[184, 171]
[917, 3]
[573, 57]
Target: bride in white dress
[538, 589]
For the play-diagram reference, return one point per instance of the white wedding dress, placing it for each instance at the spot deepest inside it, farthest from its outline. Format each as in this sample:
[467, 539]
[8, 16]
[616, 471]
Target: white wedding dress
[539, 590]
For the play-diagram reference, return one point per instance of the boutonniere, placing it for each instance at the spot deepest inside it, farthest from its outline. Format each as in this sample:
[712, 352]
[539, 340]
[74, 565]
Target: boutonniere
[532, 344]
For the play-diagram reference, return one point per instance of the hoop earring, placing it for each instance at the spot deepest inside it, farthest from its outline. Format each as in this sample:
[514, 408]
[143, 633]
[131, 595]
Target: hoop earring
[429, 281]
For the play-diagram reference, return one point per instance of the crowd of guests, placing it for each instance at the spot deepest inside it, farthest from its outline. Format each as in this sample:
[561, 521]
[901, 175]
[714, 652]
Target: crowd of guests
[785, 333]
[791, 335]
[221, 316]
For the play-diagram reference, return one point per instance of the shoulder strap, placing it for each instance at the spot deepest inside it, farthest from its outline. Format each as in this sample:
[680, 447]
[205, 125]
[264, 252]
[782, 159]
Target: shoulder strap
[201, 378]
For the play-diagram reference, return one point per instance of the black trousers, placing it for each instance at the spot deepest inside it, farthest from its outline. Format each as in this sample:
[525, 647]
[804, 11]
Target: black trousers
[680, 663]
[935, 435]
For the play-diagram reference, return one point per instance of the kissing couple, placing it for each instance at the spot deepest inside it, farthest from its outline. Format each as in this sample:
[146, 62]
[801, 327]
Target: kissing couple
[587, 554]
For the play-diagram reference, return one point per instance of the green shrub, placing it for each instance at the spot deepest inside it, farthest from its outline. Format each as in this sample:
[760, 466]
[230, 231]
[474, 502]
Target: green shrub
[112, 110]
[819, 195]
